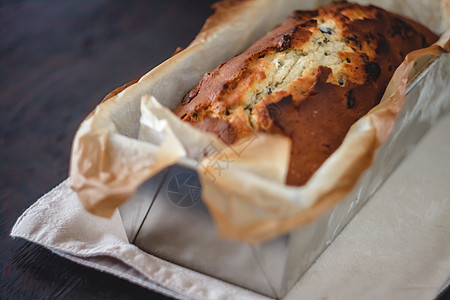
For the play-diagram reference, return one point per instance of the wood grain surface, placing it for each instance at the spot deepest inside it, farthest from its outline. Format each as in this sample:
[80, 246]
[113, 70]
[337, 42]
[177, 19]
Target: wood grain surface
[58, 59]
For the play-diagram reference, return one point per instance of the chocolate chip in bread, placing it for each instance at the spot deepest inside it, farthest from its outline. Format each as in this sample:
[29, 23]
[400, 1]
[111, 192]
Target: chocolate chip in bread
[309, 79]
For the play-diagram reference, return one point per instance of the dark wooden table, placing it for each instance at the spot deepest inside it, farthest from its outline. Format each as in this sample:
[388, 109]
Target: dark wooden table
[58, 59]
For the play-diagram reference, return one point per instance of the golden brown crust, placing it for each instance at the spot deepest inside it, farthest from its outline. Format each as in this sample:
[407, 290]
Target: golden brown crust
[344, 54]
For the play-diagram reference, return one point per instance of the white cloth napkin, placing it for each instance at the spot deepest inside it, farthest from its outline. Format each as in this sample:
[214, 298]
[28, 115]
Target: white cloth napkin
[397, 247]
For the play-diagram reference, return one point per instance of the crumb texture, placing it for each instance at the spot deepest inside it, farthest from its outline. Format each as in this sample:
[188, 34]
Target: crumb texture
[309, 79]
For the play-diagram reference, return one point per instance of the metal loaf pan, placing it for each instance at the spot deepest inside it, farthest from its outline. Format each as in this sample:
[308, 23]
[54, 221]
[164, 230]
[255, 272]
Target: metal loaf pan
[167, 218]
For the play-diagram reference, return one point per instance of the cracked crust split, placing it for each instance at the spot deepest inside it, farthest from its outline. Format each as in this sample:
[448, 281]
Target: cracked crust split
[309, 79]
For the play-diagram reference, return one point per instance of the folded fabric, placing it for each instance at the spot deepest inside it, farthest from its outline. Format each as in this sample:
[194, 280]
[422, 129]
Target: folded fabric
[397, 247]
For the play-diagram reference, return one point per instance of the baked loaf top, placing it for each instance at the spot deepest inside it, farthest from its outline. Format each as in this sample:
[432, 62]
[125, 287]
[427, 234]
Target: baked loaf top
[309, 79]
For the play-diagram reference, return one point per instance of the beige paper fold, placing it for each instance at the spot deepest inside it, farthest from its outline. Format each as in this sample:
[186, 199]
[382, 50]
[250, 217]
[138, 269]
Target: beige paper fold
[131, 137]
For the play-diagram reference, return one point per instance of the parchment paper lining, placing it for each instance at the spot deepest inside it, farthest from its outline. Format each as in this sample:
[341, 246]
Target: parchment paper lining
[132, 136]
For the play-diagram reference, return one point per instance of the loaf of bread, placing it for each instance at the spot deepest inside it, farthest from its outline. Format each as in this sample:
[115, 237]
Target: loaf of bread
[309, 79]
